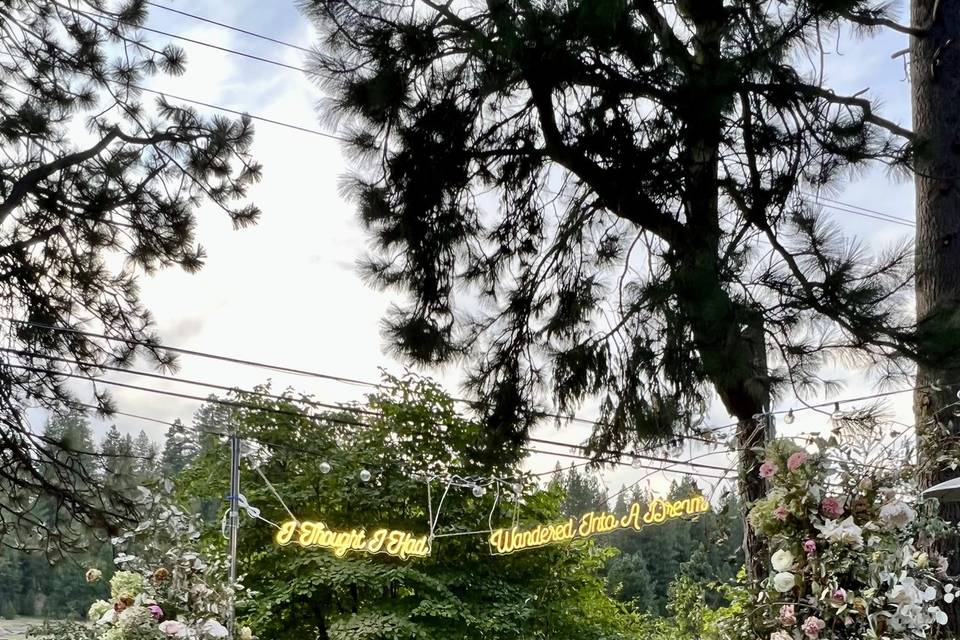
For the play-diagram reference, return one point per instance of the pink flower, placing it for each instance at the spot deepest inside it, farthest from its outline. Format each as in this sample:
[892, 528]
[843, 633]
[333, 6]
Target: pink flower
[810, 546]
[832, 508]
[781, 512]
[156, 611]
[812, 626]
[787, 617]
[796, 460]
[768, 469]
[839, 595]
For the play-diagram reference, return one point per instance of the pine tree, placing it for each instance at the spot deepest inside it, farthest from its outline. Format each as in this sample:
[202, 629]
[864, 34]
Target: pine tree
[606, 200]
[147, 454]
[128, 186]
[180, 448]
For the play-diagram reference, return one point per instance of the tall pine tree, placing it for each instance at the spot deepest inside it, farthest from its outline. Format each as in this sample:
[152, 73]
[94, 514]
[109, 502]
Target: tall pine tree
[607, 199]
[128, 185]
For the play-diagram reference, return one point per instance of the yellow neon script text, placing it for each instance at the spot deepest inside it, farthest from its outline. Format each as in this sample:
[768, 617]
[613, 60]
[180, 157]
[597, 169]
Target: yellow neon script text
[316, 534]
[596, 522]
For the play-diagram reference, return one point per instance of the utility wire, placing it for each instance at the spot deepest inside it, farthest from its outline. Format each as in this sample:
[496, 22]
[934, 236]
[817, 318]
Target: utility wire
[230, 27]
[307, 401]
[826, 202]
[849, 207]
[373, 385]
[202, 43]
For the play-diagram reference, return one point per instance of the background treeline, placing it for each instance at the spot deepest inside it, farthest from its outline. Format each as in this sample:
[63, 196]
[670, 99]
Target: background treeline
[639, 575]
[52, 586]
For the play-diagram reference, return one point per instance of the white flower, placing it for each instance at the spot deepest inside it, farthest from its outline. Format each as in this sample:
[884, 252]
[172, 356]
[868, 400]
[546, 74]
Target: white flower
[246, 633]
[172, 627]
[784, 581]
[897, 514]
[843, 532]
[780, 635]
[213, 629]
[782, 560]
[938, 616]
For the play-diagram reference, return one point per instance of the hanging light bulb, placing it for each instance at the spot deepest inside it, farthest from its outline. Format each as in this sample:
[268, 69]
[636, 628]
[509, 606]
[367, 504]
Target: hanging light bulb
[789, 418]
[365, 476]
[837, 413]
[517, 488]
[325, 467]
[478, 491]
[636, 463]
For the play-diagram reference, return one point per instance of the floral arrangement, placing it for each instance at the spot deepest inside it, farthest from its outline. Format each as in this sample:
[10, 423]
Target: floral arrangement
[850, 551]
[170, 589]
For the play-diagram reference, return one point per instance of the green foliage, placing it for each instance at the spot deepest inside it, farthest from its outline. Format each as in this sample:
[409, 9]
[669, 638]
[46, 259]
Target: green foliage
[459, 591]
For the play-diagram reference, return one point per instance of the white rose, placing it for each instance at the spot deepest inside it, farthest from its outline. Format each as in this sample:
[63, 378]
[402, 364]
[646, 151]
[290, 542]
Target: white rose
[782, 560]
[897, 514]
[213, 629]
[780, 635]
[784, 581]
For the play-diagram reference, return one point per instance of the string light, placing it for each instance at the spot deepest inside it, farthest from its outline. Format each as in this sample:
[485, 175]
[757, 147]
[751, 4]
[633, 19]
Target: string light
[789, 418]
[325, 467]
[479, 491]
[365, 476]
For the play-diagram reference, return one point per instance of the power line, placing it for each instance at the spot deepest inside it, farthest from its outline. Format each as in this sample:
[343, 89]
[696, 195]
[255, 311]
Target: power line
[344, 408]
[253, 363]
[830, 203]
[889, 216]
[230, 27]
[202, 43]
[354, 381]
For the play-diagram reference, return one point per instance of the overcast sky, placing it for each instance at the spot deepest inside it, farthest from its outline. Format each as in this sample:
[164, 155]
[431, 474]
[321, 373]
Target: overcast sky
[287, 292]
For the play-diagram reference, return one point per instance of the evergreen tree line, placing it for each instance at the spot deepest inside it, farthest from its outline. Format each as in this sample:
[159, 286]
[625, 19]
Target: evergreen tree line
[52, 586]
[706, 549]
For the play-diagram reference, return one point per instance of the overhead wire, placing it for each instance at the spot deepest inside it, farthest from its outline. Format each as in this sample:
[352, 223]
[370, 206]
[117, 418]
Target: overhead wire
[228, 26]
[831, 203]
[280, 411]
[374, 385]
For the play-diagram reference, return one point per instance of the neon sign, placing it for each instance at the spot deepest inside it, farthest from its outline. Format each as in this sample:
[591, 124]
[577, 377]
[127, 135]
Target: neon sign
[504, 541]
[316, 534]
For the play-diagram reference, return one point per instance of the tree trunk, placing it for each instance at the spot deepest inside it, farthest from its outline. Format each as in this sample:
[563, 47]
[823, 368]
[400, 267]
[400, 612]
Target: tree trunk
[729, 334]
[935, 62]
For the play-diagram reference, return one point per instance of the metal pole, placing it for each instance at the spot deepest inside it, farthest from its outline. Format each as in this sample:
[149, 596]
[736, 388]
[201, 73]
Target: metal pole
[234, 524]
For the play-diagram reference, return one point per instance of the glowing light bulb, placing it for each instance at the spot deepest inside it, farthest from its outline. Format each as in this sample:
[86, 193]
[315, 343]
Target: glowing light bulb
[478, 491]
[365, 476]
[636, 463]
[837, 413]
[325, 467]
[517, 488]
[789, 418]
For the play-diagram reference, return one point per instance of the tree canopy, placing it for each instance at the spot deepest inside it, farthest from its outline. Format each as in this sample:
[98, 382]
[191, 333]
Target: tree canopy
[90, 172]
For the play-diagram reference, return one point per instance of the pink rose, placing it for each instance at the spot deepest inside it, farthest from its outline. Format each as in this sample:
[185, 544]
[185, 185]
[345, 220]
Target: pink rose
[781, 512]
[839, 595]
[787, 617]
[155, 611]
[812, 626]
[832, 508]
[810, 546]
[768, 469]
[796, 460]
